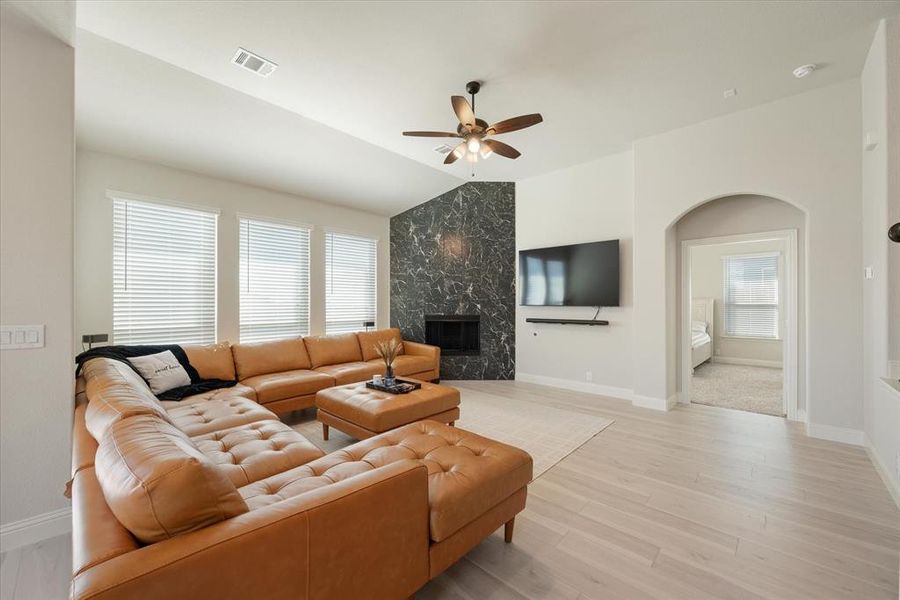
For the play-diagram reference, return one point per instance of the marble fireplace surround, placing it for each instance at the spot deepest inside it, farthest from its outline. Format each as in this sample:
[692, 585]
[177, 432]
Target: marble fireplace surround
[455, 255]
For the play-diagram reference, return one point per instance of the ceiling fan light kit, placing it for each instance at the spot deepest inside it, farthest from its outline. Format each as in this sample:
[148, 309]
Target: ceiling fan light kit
[474, 132]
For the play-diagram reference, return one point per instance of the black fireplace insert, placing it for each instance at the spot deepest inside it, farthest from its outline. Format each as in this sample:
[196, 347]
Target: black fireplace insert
[455, 335]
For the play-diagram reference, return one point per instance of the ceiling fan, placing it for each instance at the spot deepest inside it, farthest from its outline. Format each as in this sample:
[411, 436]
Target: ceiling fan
[474, 132]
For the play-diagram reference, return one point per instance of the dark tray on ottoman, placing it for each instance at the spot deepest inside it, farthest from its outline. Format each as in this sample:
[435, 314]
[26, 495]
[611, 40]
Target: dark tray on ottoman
[401, 386]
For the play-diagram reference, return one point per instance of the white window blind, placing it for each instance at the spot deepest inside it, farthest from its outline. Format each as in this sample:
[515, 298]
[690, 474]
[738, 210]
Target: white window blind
[164, 274]
[350, 270]
[751, 295]
[274, 280]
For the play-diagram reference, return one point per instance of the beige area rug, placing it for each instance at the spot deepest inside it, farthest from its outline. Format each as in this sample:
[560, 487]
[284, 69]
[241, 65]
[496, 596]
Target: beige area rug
[754, 389]
[548, 434]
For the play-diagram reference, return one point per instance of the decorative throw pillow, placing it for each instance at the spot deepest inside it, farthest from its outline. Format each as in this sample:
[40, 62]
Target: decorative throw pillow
[162, 371]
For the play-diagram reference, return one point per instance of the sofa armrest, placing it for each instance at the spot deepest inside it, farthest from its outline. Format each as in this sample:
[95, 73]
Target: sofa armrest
[432, 352]
[365, 535]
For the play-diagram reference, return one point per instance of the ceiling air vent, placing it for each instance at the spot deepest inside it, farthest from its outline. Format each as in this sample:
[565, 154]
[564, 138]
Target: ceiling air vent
[253, 62]
[443, 149]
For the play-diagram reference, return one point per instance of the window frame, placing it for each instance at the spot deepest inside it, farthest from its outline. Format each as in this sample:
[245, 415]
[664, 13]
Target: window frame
[376, 242]
[241, 218]
[778, 297]
[128, 197]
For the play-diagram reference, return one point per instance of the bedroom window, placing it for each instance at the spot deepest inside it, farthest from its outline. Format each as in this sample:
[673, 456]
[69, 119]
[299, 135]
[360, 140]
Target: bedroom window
[751, 295]
[164, 274]
[274, 280]
[350, 280]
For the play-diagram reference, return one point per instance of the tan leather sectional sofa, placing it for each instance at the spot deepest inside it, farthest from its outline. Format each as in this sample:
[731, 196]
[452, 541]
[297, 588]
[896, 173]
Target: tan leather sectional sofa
[215, 497]
[285, 375]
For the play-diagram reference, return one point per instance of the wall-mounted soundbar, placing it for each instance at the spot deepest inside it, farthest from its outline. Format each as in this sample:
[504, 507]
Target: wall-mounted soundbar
[591, 322]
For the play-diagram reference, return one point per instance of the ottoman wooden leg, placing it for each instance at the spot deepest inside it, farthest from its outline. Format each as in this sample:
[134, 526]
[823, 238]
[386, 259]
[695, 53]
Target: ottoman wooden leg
[324, 431]
[508, 530]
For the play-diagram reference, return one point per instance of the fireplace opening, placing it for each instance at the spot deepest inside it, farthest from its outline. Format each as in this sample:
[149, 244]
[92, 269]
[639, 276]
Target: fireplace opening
[454, 334]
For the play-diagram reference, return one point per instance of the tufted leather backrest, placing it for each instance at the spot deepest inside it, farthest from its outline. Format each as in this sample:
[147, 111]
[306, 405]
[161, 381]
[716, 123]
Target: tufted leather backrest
[114, 392]
[269, 357]
[158, 484]
[212, 361]
[368, 339]
[332, 349]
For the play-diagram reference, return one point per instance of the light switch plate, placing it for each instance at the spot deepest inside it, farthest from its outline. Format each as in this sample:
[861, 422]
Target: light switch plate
[20, 337]
[869, 273]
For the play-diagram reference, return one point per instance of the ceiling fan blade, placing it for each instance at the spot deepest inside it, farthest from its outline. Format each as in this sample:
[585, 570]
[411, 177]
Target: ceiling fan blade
[463, 111]
[455, 153]
[431, 134]
[501, 148]
[514, 124]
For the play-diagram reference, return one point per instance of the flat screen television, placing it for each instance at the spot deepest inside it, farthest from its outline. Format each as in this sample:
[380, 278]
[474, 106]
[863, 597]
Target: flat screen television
[576, 275]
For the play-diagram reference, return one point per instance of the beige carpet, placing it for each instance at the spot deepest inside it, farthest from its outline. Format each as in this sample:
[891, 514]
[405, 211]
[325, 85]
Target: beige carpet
[754, 389]
[549, 434]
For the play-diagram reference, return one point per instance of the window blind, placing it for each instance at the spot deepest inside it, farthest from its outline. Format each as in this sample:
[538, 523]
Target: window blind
[164, 274]
[350, 271]
[751, 295]
[274, 280]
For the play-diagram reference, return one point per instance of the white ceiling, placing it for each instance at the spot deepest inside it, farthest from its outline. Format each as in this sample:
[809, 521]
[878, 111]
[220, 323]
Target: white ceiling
[602, 75]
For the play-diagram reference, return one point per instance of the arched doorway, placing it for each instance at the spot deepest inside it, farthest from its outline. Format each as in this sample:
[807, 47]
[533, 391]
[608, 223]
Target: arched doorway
[740, 305]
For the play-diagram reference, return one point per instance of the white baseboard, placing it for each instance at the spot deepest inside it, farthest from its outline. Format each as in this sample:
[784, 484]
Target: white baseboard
[893, 369]
[890, 483]
[844, 435]
[34, 529]
[749, 362]
[655, 403]
[577, 386]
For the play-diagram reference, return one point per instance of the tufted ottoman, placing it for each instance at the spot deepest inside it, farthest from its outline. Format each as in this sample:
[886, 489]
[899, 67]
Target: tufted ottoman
[362, 412]
[475, 484]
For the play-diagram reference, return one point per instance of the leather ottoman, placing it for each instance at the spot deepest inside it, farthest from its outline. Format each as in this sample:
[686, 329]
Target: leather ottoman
[362, 412]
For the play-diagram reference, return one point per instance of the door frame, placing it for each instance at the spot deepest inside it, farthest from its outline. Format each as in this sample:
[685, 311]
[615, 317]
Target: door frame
[790, 348]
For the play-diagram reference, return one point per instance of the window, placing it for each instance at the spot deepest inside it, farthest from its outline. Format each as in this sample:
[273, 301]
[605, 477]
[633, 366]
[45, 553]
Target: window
[350, 263]
[164, 274]
[274, 280]
[751, 295]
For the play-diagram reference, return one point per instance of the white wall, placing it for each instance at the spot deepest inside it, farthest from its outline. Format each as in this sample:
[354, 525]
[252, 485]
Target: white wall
[708, 281]
[803, 150]
[584, 203]
[881, 402]
[36, 181]
[97, 173]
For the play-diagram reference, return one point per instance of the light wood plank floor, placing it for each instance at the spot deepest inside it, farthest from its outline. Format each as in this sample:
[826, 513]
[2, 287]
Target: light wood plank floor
[696, 503]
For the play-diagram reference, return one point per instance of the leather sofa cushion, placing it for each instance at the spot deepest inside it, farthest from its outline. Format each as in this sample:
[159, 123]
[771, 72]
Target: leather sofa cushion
[115, 392]
[158, 484]
[332, 349]
[212, 361]
[467, 474]
[255, 451]
[408, 364]
[368, 339]
[215, 415]
[380, 411]
[269, 357]
[241, 390]
[351, 372]
[288, 384]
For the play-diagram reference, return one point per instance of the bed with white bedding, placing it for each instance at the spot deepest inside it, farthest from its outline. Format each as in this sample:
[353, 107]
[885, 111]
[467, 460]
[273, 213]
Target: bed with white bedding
[702, 323]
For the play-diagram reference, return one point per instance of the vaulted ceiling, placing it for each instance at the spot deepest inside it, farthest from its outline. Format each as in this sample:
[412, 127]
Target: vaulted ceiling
[155, 81]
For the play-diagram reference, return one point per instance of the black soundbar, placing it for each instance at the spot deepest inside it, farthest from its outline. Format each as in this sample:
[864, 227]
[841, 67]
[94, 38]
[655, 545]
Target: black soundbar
[591, 322]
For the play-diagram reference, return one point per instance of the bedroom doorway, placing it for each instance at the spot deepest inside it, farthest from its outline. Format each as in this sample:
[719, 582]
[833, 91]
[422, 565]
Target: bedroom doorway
[739, 324]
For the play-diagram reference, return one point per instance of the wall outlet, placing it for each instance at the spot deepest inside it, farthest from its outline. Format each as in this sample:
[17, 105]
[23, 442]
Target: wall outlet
[588, 376]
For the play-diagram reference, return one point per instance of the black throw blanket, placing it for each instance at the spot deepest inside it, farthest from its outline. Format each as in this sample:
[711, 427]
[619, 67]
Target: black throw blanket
[123, 353]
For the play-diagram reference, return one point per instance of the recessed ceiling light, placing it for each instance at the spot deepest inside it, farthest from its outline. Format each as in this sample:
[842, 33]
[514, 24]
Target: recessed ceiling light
[804, 70]
[253, 62]
[730, 93]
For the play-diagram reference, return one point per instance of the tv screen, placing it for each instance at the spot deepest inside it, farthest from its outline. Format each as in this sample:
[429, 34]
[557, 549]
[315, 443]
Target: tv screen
[577, 275]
